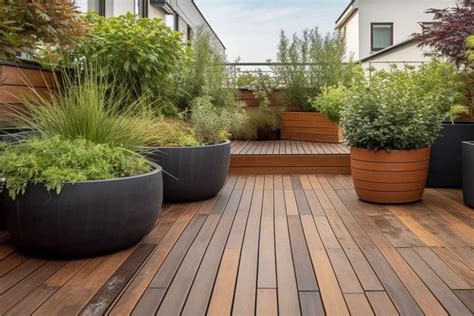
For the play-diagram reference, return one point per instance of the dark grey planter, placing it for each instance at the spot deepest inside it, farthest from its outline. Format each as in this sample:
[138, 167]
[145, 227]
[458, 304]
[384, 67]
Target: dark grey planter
[86, 219]
[468, 172]
[192, 173]
[446, 161]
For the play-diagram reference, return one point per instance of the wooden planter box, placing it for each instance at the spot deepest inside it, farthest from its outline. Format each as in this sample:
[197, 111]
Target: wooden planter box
[276, 98]
[309, 126]
[17, 82]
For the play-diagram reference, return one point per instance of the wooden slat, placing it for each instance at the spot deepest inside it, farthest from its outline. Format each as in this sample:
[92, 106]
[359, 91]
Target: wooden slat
[381, 303]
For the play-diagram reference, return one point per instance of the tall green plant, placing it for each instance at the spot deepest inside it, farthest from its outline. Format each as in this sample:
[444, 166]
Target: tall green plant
[310, 63]
[205, 75]
[90, 107]
[143, 52]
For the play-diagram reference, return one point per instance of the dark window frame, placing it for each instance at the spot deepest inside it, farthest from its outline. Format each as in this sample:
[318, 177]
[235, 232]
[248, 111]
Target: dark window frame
[372, 48]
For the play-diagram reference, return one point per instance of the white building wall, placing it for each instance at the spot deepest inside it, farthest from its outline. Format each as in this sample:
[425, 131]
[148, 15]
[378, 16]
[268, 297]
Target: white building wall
[122, 6]
[156, 12]
[404, 14]
[351, 34]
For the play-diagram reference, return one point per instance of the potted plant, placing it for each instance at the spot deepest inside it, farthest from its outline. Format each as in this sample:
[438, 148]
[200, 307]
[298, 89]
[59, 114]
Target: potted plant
[390, 122]
[308, 65]
[24, 27]
[195, 156]
[447, 38]
[468, 172]
[107, 194]
[74, 198]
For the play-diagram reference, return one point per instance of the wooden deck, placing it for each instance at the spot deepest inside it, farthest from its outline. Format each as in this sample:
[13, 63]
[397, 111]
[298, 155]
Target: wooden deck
[288, 157]
[299, 244]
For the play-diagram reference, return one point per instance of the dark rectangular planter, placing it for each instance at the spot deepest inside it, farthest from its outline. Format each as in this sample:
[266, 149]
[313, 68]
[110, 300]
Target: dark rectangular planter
[468, 172]
[446, 161]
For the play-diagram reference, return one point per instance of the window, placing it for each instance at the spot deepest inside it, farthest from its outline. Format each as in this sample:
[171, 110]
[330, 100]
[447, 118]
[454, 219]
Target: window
[88, 5]
[381, 36]
[141, 7]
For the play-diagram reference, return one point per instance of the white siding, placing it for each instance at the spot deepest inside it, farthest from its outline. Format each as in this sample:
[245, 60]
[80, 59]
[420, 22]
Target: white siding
[351, 33]
[404, 14]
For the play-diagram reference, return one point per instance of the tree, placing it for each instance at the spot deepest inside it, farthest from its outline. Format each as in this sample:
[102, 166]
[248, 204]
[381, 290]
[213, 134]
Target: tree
[27, 24]
[448, 34]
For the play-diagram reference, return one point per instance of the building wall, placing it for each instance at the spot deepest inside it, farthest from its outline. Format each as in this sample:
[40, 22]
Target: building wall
[408, 54]
[405, 15]
[351, 34]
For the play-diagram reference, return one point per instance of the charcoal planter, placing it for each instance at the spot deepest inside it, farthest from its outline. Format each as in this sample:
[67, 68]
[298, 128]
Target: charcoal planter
[192, 173]
[86, 219]
[446, 161]
[14, 134]
[468, 172]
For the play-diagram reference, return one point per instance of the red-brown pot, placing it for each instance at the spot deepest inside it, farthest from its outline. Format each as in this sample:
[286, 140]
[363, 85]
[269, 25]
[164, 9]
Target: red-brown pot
[398, 176]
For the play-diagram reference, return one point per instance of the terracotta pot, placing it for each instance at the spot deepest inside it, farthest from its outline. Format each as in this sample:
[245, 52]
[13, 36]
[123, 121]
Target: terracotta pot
[392, 177]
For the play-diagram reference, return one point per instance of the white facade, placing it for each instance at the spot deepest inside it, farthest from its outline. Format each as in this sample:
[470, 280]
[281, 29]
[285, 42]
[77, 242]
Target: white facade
[181, 15]
[404, 16]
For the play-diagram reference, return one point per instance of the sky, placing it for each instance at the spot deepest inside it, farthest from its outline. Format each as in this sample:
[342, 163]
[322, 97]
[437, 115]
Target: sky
[250, 28]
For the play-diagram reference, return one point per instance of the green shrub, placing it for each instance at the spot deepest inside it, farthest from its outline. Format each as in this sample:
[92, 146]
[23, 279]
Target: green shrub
[331, 102]
[144, 53]
[312, 62]
[173, 133]
[204, 75]
[211, 123]
[25, 25]
[55, 161]
[262, 117]
[393, 111]
[86, 108]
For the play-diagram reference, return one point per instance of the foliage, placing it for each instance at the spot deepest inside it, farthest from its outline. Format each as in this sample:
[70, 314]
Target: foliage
[470, 50]
[312, 62]
[144, 53]
[211, 123]
[331, 102]
[245, 80]
[205, 74]
[85, 108]
[25, 25]
[173, 133]
[396, 110]
[55, 161]
[262, 117]
[447, 36]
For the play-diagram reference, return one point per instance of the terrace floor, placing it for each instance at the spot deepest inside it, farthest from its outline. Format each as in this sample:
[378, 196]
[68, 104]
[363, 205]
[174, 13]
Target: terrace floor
[287, 244]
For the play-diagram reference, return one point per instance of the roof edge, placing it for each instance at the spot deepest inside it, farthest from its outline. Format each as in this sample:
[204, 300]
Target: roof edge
[388, 49]
[208, 24]
[345, 11]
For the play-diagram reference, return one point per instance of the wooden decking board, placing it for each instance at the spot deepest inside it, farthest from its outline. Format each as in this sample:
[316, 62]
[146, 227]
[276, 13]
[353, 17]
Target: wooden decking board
[268, 244]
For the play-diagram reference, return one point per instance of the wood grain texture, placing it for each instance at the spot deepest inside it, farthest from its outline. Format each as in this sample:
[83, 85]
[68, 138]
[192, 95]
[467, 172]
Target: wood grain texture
[267, 245]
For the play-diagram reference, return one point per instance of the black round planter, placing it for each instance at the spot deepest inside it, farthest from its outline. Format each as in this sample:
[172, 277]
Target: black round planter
[86, 219]
[468, 172]
[192, 173]
[446, 161]
[15, 134]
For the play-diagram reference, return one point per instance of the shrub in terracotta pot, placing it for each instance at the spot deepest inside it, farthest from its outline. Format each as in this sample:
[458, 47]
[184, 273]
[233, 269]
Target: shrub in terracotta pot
[390, 123]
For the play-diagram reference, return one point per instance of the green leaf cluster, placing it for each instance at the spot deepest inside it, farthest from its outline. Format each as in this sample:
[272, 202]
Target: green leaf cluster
[168, 132]
[55, 161]
[397, 110]
[331, 102]
[310, 63]
[261, 117]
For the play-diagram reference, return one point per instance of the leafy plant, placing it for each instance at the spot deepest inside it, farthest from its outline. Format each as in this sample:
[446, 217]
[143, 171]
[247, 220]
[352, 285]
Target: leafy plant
[447, 36]
[144, 53]
[55, 161]
[90, 107]
[173, 133]
[25, 25]
[245, 80]
[259, 118]
[331, 102]
[205, 74]
[393, 111]
[312, 62]
[211, 123]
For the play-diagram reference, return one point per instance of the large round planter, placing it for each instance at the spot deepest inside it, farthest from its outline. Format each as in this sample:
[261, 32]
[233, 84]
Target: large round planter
[394, 177]
[15, 134]
[192, 173]
[446, 162]
[468, 172]
[86, 219]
